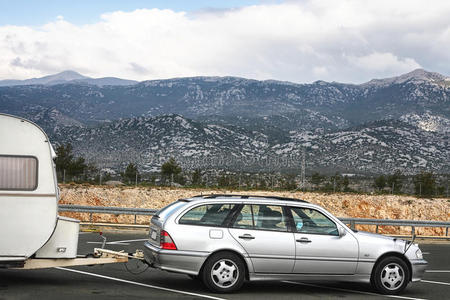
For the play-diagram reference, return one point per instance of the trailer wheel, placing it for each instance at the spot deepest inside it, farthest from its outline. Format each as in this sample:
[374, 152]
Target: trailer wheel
[223, 272]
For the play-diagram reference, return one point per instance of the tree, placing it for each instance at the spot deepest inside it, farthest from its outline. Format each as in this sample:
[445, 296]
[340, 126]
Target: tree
[197, 177]
[345, 183]
[394, 182]
[131, 174]
[380, 182]
[262, 185]
[289, 183]
[171, 171]
[91, 172]
[77, 167]
[64, 157]
[336, 182]
[424, 184]
[317, 179]
[67, 165]
[223, 181]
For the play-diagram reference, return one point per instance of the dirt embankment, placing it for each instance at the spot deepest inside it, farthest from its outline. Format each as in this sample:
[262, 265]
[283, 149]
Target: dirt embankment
[341, 205]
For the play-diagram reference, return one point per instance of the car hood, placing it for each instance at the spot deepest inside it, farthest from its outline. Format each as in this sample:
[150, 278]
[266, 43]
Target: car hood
[376, 236]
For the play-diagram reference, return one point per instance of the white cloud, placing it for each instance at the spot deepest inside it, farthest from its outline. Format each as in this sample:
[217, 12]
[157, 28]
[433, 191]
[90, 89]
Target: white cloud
[383, 62]
[301, 41]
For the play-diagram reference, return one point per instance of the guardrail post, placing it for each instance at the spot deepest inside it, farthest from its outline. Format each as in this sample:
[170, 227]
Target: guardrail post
[446, 231]
[135, 216]
[413, 230]
[90, 218]
[376, 229]
[352, 224]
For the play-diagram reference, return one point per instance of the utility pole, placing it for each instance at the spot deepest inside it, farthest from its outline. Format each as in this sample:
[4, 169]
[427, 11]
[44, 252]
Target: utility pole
[303, 169]
[273, 175]
[239, 180]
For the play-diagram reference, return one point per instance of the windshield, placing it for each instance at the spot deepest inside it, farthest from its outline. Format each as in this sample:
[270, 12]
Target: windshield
[164, 212]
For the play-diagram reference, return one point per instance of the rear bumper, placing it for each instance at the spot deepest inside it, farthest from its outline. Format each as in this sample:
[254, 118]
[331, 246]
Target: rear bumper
[187, 262]
[418, 269]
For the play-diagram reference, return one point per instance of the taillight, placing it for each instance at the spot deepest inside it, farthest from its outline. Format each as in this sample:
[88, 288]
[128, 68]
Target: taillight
[166, 241]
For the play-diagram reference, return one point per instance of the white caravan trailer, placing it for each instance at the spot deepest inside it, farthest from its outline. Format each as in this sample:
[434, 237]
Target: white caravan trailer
[32, 235]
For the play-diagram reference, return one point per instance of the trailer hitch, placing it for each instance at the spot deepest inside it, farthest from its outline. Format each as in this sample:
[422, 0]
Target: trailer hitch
[100, 252]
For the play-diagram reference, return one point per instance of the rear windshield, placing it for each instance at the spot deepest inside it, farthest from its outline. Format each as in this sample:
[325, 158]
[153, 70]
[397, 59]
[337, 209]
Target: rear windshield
[166, 211]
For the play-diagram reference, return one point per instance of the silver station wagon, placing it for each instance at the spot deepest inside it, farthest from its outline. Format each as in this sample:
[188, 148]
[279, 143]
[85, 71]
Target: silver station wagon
[227, 239]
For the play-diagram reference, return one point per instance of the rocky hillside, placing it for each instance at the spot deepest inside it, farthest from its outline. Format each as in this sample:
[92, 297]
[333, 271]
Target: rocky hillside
[342, 205]
[382, 125]
[370, 148]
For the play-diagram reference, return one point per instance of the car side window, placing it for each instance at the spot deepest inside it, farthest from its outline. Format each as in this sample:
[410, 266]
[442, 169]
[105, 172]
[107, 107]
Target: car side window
[262, 217]
[207, 215]
[311, 221]
[244, 218]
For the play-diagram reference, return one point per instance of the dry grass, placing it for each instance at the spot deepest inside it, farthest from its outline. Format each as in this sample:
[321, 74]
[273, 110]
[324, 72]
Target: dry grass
[342, 205]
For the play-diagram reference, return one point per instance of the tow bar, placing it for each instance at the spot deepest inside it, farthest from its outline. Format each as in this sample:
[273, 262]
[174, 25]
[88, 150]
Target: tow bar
[99, 257]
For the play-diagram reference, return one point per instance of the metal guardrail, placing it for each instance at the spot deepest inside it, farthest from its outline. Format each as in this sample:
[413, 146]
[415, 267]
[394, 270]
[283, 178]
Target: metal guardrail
[390, 222]
[350, 221]
[107, 210]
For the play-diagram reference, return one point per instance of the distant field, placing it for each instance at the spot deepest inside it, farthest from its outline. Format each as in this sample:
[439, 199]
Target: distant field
[340, 204]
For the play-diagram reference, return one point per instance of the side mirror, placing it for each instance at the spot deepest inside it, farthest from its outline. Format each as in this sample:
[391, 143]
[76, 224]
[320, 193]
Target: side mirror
[341, 231]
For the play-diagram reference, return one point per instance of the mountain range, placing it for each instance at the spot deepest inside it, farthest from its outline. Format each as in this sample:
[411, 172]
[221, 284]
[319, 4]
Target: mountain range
[229, 122]
[67, 77]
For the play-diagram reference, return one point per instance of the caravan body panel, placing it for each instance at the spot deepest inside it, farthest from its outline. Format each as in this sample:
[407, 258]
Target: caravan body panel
[28, 188]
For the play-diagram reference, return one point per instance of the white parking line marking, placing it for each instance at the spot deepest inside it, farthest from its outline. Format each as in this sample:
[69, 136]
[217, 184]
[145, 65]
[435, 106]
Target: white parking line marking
[437, 271]
[437, 282]
[124, 243]
[140, 284]
[128, 241]
[353, 291]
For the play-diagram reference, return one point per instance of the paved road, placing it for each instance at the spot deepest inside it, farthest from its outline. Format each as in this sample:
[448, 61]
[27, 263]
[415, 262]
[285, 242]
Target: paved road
[115, 282]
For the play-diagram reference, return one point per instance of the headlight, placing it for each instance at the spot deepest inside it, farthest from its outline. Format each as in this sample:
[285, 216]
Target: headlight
[419, 254]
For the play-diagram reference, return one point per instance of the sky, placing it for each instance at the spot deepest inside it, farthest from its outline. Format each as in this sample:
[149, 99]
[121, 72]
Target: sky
[300, 41]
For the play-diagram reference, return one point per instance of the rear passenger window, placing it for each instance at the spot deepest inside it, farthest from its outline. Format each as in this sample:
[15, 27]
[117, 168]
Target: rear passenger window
[18, 172]
[207, 215]
[244, 218]
[263, 217]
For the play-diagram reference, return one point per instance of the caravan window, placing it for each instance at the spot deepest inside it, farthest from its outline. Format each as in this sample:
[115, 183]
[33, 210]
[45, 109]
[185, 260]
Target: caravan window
[18, 172]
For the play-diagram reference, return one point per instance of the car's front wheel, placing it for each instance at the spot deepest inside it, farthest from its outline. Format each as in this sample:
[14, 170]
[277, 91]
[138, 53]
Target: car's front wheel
[391, 275]
[223, 272]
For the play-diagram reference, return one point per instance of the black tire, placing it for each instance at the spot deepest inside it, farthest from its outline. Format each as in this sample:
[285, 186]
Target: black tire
[223, 272]
[390, 276]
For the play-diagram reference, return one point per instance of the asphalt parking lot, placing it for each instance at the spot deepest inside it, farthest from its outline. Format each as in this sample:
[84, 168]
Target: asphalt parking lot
[114, 281]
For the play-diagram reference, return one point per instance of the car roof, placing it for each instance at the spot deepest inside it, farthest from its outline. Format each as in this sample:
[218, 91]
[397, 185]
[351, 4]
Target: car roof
[246, 197]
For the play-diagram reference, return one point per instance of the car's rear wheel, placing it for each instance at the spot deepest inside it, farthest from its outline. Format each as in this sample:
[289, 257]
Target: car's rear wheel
[223, 272]
[391, 275]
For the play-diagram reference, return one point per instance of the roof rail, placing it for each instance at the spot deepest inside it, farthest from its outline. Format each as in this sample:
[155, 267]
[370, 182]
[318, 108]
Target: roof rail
[212, 196]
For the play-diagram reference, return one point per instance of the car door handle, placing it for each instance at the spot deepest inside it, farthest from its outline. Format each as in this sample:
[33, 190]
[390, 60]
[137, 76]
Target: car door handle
[304, 240]
[247, 237]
